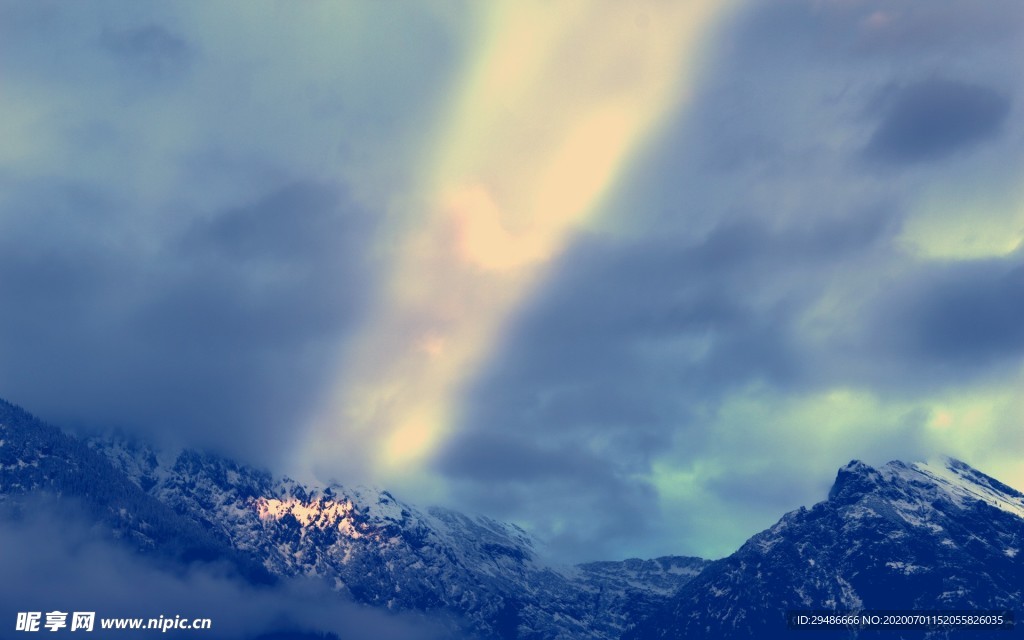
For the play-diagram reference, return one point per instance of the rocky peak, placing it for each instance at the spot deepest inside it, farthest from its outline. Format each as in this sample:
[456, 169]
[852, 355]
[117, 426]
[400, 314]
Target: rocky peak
[853, 481]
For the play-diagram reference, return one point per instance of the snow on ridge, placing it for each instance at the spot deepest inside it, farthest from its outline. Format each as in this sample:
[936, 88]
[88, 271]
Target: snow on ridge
[321, 514]
[951, 477]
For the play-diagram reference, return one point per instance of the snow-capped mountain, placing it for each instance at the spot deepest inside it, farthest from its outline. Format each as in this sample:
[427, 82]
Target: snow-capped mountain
[377, 550]
[37, 459]
[926, 536]
[486, 576]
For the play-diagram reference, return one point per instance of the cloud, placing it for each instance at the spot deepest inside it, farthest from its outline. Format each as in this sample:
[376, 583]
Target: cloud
[575, 498]
[552, 108]
[54, 561]
[626, 356]
[224, 329]
[198, 248]
[195, 203]
[743, 320]
[958, 317]
[935, 118]
[151, 48]
[957, 26]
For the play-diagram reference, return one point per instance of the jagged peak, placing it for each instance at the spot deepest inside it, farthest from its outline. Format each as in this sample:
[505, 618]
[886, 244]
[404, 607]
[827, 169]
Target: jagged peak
[963, 483]
[853, 480]
[855, 466]
[941, 477]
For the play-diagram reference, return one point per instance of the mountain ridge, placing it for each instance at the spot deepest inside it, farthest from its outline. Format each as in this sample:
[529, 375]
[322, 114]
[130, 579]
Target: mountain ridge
[362, 542]
[922, 536]
[378, 550]
[38, 457]
[934, 535]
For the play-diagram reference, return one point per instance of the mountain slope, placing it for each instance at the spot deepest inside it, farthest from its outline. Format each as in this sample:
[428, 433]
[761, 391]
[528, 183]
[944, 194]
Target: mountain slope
[38, 459]
[179, 507]
[938, 536]
[380, 551]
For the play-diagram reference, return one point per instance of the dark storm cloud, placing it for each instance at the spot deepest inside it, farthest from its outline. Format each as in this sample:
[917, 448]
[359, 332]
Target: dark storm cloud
[174, 261]
[501, 457]
[731, 345]
[221, 335]
[525, 474]
[287, 267]
[630, 344]
[735, 292]
[957, 318]
[151, 48]
[935, 118]
[180, 250]
[765, 314]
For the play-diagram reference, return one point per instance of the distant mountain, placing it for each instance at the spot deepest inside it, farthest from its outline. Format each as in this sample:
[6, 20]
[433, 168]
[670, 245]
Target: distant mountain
[39, 459]
[938, 536]
[923, 536]
[377, 550]
[186, 506]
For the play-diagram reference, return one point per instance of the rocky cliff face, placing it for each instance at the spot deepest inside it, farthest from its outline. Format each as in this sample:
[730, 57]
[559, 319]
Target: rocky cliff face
[903, 536]
[375, 549]
[183, 507]
[40, 465]
[938, 536]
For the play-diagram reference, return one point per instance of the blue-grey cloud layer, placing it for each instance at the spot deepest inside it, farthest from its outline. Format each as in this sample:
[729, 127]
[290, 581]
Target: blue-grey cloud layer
[934, 118]
[228, 328]
[193, 208]
[182, 246]
[772, 264]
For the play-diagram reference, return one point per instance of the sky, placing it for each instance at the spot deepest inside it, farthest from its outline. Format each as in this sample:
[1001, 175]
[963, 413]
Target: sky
[639, 277]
